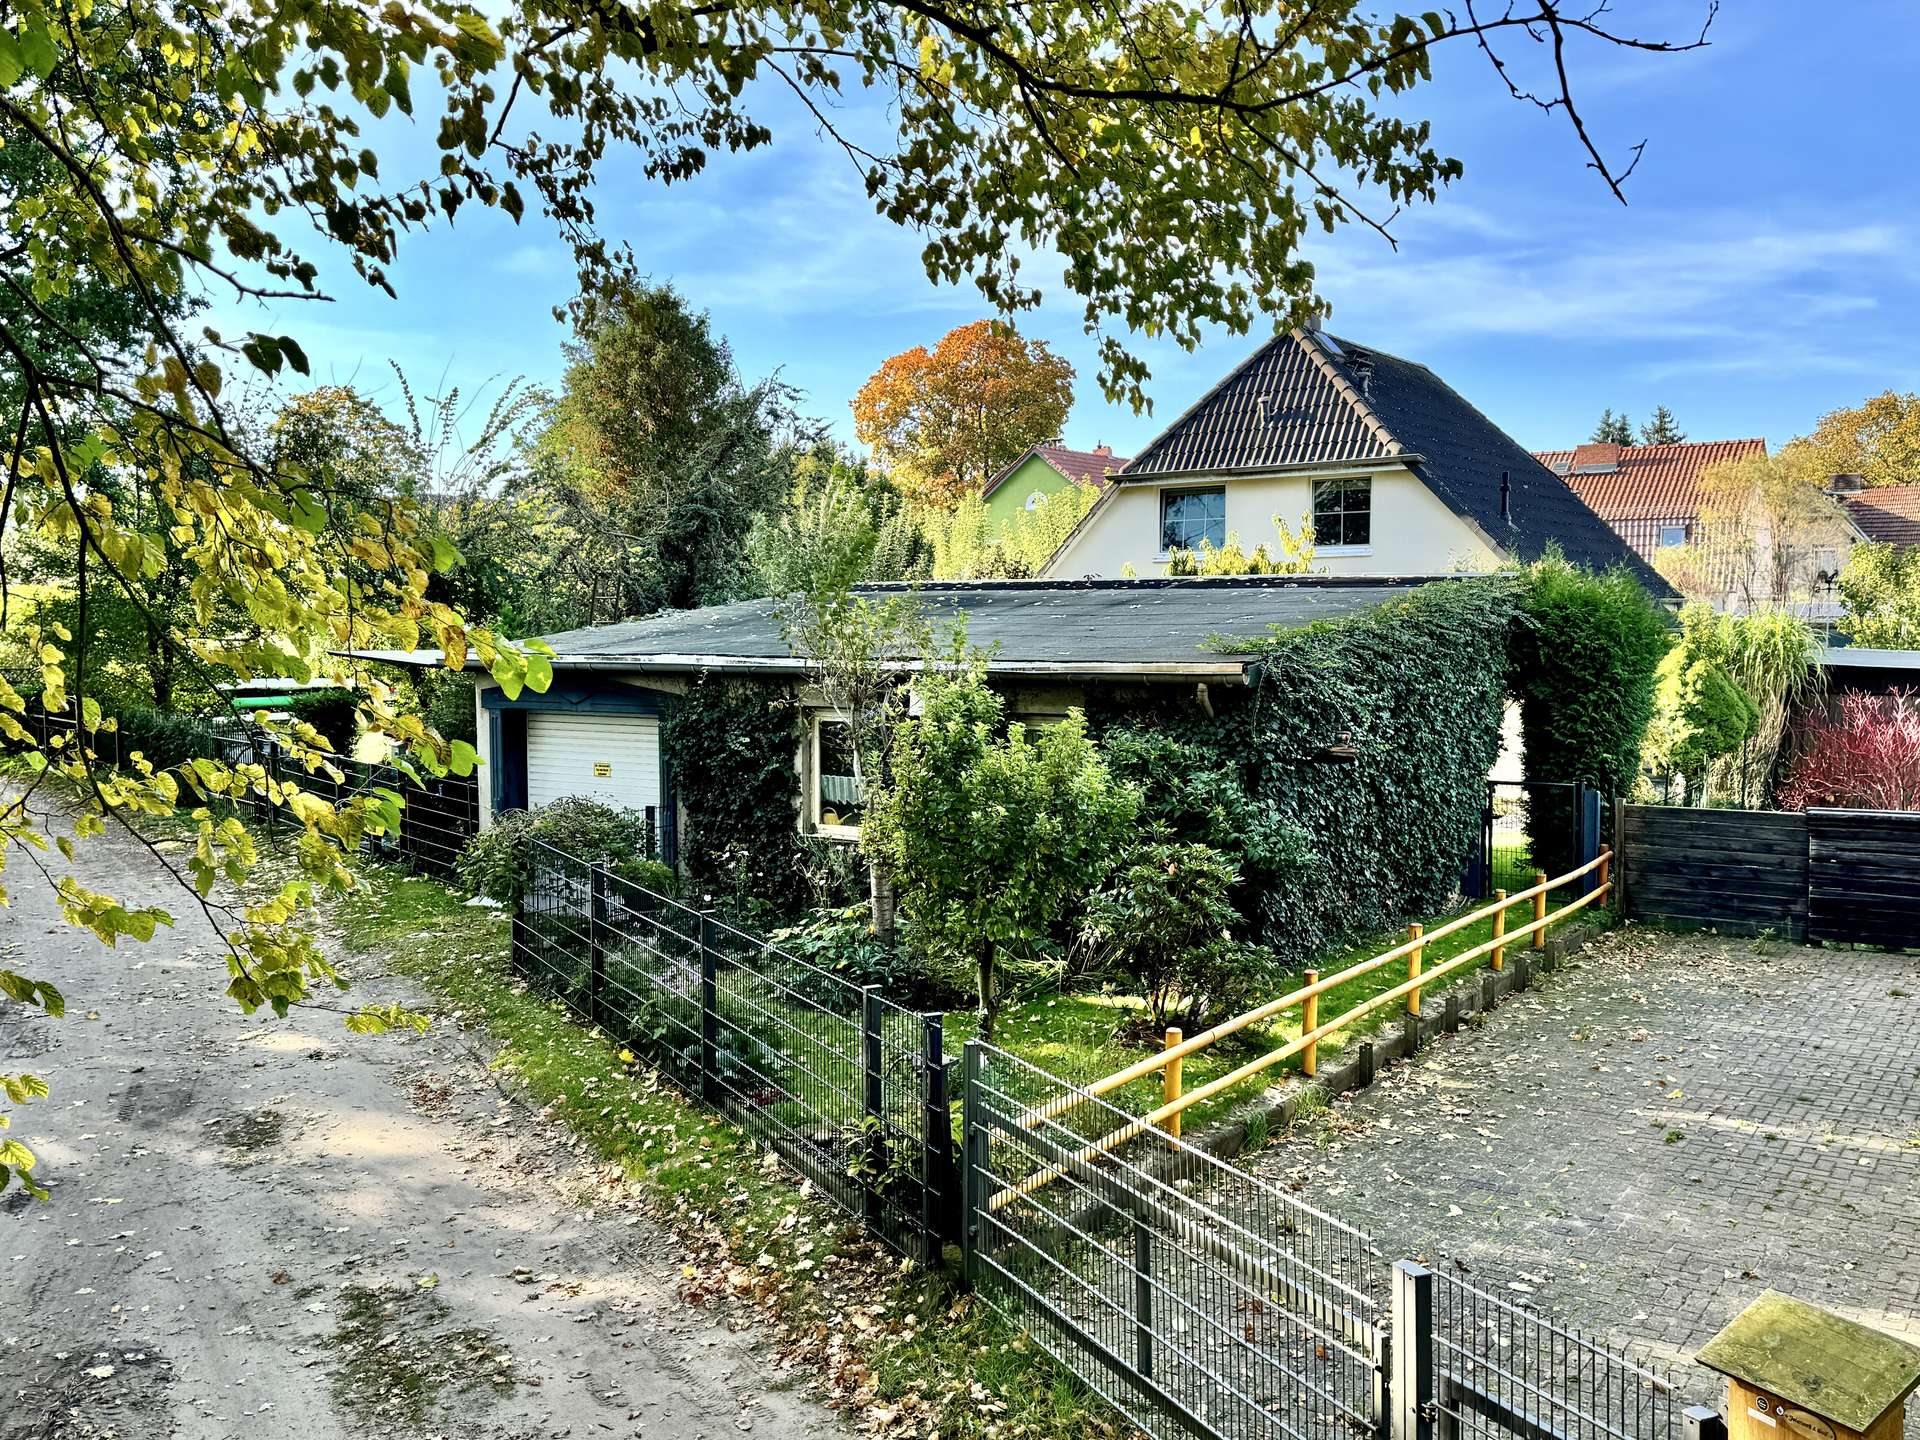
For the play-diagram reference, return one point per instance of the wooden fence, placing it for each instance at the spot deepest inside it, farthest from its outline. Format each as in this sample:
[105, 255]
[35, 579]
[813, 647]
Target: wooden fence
[1840, 876]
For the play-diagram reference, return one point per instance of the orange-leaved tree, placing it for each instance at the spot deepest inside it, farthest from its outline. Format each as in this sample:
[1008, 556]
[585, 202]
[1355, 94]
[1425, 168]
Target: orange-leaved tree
[942, 421]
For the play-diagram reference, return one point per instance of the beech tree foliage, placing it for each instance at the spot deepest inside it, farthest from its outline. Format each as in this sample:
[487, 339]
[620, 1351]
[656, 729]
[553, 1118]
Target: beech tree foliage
[163, 155]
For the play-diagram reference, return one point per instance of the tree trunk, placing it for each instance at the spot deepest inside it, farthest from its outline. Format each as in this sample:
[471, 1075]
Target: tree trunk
[880, 895]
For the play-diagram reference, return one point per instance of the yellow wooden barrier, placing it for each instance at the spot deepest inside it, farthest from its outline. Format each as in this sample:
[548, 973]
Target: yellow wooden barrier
[1309, 1019]
[1177, 1101]
[1313, 987]
[1540, 904]
[1414, 932]
[1170, 1087]
[1500, 929]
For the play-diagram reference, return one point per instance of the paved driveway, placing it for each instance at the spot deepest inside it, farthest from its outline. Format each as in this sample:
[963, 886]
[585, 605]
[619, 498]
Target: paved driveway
[1650, 1138]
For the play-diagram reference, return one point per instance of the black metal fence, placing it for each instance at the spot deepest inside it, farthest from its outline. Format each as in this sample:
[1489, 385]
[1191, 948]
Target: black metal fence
[1534, 827]
[438, 815]
[848, 1087]
[1470, 1364]
[1196, 1299]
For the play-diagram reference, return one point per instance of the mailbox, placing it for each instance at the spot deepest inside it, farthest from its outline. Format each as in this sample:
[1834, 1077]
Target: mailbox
[1797, 1372]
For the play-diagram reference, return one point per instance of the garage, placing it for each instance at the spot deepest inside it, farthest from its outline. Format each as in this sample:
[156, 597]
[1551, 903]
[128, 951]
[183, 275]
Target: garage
[613, 758]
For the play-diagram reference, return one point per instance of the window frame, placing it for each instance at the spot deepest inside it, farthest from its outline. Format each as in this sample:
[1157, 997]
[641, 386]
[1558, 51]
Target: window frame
[1170, 493]
[1342, 545]
[815, 825]
[1660, 541]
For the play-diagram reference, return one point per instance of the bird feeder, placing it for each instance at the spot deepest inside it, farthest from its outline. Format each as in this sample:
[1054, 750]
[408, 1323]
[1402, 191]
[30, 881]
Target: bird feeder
[1797, 1372]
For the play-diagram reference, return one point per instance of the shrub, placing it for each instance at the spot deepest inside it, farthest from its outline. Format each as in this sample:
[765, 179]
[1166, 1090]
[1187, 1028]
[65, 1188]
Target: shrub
[989, 838]
[1700, 713]
[1163, 920]
[499, 861]
[731, 746]
[164, 738]
[842, 940]
[1584, 651]
[1864, 751]
[1330, 849]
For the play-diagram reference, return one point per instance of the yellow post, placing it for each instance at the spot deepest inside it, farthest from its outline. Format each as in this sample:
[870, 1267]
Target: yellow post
[1499, 929]
[1414, 932]
[1171, 1086]
[1540, 910]
[1310, 1022]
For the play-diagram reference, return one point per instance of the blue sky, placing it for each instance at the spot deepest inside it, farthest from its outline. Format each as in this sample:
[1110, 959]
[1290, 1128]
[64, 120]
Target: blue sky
[1764, 272]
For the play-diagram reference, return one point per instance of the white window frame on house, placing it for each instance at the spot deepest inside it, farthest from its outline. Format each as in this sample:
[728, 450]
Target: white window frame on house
[1661, 542]
[1363, 484]
[1179, 492]
[815, 809]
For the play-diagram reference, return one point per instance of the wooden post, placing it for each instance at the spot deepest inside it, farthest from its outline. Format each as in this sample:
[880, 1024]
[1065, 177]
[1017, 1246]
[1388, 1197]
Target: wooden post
[1540, 911]
[1171, 1080]
[1310, 1022]
[1414, 932]
[1499, 929]
[1606, 860]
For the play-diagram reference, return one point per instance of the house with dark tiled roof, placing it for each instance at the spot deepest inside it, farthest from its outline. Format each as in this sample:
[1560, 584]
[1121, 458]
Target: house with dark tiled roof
[1045, 470]
[1656, 498]
[1889, 514]
[1386, 466]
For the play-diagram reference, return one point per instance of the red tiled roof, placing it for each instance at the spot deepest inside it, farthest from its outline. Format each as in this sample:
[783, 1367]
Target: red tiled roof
[1083, 467]
[1644, 482]
[1890, 513]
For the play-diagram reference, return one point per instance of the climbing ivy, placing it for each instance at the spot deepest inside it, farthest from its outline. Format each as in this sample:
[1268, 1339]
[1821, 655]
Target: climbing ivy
[1331, 844]
[731, 746]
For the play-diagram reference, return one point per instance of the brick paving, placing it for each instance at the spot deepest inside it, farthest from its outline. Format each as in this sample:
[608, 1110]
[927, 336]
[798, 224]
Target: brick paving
[1649, 1138]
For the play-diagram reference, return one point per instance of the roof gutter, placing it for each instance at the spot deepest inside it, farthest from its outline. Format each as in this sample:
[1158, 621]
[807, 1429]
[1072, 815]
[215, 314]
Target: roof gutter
[1297, 467]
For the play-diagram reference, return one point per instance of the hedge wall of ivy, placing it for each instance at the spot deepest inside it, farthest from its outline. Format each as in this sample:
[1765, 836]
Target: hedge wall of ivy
[731, 746]
[1331, 850]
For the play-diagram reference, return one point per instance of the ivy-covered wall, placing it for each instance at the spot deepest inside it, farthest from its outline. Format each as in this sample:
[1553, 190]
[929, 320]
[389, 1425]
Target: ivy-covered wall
[731, 747]
[1328, 847]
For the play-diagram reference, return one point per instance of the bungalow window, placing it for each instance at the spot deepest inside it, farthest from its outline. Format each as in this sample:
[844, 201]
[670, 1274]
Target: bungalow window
[1190, 517]
[839, 790]
[1343, 512]
[1671, 535]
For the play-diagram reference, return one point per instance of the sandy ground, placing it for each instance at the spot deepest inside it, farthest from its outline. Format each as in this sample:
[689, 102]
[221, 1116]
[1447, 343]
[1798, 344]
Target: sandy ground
[275, 1228]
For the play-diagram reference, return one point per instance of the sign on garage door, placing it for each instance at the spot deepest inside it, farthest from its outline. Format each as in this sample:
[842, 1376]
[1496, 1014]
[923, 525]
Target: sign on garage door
[614, 759]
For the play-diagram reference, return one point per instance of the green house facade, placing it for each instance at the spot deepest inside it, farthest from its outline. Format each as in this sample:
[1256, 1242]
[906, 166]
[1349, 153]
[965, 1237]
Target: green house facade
[1044, 470]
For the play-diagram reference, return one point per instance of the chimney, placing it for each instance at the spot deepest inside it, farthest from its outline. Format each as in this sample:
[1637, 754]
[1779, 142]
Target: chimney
[1846, 484]
[1103, 449]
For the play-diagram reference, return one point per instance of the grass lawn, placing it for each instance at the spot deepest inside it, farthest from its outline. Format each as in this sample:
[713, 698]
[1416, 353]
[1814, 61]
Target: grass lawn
[885, 1339]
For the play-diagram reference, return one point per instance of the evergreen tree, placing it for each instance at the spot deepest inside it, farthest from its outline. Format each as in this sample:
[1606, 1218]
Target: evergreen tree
[1613, 429]
[1661, 429]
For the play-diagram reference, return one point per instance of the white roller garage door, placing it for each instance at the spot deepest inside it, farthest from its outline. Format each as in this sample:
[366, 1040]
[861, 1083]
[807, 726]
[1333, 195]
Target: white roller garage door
[614, 759]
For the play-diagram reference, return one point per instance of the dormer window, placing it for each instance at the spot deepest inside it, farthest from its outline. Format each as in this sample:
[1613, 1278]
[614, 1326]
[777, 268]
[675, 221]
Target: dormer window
[1671, 535]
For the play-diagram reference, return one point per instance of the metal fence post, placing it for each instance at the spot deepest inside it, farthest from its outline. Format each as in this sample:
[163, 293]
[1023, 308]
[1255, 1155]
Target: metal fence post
[973, 1170]
[709, 1012]
[933, 1122]
[1142, 1298]
[596, 942]
[874, 1096]
[1413, 1393]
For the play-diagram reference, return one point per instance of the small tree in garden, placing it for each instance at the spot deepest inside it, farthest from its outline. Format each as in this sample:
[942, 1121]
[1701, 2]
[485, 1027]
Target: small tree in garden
[1163, 919]
[1881, 587]
[1864, 751]
[1583, 656]
[990, 837]
[1700, 714]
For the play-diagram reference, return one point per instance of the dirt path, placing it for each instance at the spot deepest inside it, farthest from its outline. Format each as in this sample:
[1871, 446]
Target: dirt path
[265, 1228]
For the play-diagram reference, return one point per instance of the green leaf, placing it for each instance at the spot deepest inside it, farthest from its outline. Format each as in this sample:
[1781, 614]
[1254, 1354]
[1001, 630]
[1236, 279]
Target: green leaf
[12, 63]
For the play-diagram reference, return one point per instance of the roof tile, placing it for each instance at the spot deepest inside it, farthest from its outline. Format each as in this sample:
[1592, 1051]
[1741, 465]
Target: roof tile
[1644, 482]
[1888, 513]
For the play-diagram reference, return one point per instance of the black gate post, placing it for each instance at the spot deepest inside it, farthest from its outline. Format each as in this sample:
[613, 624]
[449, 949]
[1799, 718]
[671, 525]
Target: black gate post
[1412, 1388]
[709, 1012]
[1588, 819]
[874, 1104]
[596, 941]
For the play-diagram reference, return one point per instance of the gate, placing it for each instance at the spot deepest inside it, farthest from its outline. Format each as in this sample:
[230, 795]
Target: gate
[1863, 877]
[1530, 828]
[1195, 1299]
